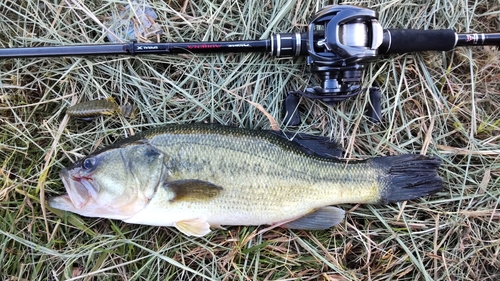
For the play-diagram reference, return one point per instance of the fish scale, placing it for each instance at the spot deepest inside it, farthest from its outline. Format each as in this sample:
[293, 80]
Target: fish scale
[196, 176]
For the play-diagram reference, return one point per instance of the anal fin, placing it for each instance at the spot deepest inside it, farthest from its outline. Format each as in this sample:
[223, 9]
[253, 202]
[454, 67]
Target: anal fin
[321, 218]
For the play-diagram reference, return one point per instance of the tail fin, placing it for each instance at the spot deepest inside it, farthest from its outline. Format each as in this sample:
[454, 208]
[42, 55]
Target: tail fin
[408, 177]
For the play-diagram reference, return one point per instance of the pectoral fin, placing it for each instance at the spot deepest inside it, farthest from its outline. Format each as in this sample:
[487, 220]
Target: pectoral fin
[197, 227]
[321, 218]
[193, 190]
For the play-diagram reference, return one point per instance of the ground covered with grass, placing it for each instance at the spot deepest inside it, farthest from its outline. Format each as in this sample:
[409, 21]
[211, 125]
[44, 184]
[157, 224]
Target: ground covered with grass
[435, 103]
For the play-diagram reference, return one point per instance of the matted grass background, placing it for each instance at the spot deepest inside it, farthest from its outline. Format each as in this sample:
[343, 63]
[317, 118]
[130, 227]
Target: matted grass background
[435, 103]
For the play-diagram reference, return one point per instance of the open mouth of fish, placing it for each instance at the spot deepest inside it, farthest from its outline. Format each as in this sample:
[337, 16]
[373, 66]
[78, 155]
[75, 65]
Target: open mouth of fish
[80, 189]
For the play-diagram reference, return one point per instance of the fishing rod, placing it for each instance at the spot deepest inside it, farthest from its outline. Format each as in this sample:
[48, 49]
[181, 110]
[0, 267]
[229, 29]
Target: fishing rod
[340, 41]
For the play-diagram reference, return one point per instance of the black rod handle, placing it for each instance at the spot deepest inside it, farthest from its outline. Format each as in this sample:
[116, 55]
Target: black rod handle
[398, 41]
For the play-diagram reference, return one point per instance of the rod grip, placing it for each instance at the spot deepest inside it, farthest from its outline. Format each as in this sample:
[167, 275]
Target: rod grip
[397, 41]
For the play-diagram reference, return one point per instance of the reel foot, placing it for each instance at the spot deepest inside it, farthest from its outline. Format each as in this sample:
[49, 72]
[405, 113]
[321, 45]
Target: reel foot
[292, 100]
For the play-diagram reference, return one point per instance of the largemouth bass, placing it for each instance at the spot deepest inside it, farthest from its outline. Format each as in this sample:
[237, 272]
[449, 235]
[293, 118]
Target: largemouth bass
[194, 177]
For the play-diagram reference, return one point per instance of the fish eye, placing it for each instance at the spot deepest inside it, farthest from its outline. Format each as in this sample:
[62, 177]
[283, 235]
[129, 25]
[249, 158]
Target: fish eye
[88, 163]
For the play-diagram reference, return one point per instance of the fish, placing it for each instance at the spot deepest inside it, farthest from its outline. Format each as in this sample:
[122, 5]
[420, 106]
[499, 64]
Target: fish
[196, 177]
[94, 108]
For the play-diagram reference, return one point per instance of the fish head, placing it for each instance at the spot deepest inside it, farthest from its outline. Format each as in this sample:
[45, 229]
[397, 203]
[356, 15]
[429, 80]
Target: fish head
[115, 183]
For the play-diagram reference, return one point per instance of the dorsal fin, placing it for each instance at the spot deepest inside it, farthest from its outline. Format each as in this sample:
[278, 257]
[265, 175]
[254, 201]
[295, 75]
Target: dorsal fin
[312, 145]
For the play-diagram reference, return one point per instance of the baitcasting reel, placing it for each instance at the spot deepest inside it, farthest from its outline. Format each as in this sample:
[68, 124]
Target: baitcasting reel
[341, 40]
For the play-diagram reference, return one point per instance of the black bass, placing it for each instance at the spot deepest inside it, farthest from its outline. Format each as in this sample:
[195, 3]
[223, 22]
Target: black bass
[199, 176]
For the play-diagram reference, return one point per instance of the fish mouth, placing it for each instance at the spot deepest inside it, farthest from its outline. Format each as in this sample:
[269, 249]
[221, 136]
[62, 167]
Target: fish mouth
[62, 203]
[80, 189]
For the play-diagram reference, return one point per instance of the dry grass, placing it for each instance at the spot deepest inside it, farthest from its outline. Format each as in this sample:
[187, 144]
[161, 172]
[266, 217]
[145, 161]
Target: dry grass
[444, 104]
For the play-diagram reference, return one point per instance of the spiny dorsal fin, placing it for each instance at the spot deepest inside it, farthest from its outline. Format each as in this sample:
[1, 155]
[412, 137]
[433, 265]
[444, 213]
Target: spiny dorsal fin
[193, 190]
[313, 145]
[197, 227]
[321, 218]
